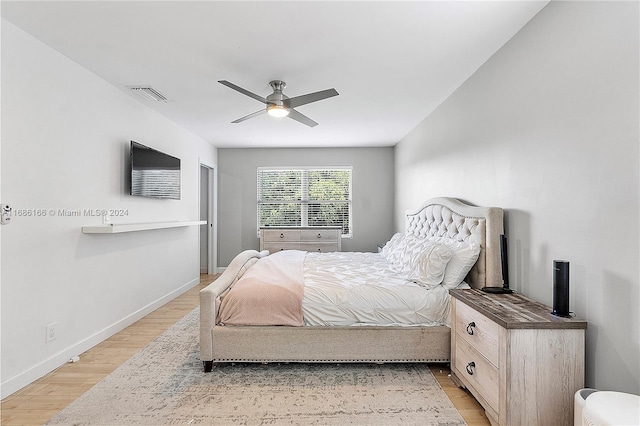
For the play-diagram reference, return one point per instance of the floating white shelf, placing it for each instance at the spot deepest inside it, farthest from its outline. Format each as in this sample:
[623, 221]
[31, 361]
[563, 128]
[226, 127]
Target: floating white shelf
[116, 228]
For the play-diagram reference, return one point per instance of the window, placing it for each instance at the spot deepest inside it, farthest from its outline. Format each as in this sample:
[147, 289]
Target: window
[305, 196]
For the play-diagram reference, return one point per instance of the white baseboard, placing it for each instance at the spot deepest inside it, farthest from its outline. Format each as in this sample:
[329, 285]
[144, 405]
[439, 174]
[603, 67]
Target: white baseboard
[221, 269]
[29, 376]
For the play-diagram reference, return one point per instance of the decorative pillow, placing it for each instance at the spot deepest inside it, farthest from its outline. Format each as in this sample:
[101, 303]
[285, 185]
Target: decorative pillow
[409, 251]
[464, 256]
[419, 260]
[390, 251]
[429, 267]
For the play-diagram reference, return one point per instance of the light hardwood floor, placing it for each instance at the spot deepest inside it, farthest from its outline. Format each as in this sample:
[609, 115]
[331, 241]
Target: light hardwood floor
[38, 402]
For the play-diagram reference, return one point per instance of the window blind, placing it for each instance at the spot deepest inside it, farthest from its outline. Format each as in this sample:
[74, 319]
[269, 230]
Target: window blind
[305, 197]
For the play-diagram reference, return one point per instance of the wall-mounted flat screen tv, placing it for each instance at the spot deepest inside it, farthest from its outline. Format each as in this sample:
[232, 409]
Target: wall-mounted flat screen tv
[154, 173]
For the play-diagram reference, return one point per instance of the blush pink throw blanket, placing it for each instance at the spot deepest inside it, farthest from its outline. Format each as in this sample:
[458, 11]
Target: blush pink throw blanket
[269, 293]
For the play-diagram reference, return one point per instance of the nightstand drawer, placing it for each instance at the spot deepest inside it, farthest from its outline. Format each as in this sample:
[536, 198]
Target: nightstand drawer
[478, 331]
[477, 371]
[281, 235]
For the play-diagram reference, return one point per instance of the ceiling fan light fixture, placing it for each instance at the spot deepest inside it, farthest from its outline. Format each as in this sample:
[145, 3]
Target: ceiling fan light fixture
[277, 111]
[280, 105]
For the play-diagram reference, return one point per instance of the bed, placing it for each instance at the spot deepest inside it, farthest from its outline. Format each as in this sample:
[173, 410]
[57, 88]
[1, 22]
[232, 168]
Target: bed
[444, 220]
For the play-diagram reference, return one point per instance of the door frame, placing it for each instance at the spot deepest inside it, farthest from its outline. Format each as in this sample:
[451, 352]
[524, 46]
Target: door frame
[212, 217]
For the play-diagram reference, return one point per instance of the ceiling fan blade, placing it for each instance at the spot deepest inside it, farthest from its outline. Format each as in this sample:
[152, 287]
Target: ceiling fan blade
[253, 114]
[301, 118]
[310, 97]
[243, 91]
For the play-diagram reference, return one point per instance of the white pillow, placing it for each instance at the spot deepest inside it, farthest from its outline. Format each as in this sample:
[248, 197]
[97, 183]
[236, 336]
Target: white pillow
[430, 265]
[421, 260]
[464, 256]
[407, 251]
[390, 251]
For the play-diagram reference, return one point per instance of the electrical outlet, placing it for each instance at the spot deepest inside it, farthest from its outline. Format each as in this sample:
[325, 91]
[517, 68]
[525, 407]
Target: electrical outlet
[51, 332]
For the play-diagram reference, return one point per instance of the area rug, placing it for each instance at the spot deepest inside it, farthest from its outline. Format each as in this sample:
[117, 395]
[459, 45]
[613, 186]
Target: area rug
[165, 384]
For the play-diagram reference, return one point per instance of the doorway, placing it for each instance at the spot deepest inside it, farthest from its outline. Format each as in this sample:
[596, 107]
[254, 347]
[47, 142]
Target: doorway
[208, 256]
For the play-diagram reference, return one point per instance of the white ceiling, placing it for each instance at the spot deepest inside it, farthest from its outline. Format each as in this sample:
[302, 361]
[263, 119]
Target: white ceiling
[392, 62]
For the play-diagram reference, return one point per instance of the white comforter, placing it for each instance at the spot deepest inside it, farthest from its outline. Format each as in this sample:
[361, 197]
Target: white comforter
[368, 292]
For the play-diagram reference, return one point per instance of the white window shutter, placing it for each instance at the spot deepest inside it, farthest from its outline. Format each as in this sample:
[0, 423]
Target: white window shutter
[305, 196]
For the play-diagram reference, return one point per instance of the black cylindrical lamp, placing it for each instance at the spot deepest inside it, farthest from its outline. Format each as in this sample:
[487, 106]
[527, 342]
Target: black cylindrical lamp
[560, 288]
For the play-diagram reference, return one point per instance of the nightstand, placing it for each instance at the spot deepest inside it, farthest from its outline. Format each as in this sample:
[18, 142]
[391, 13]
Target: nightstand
[522, 363]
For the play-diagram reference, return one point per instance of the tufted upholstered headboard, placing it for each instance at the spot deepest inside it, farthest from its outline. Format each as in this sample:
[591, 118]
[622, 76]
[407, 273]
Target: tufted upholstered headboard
[451, 218]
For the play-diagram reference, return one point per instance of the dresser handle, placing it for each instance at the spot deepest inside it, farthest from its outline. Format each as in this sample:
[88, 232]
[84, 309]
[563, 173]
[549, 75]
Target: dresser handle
[469, 368]
[281, 235]
[470, 328]
[319, 235]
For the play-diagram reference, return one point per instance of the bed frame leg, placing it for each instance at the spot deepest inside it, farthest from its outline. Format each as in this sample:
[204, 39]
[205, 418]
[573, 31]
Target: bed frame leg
[208, 366]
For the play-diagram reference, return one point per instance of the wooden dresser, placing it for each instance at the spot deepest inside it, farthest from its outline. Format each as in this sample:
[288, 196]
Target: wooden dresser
[307, 238]
[522, 363]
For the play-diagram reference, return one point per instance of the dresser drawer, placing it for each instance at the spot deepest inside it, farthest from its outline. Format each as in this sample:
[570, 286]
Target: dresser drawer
[478, 331]
[319, 247]
[474, 369]
[318, 239]
[319, 235]
[281, 235]
[274, 247]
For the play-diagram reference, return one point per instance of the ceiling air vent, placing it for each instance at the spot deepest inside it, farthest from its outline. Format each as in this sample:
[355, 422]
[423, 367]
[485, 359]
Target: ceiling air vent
[149, 93]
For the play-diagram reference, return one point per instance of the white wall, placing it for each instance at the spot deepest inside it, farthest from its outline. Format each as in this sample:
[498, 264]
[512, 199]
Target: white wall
[548, 129]
[65, 136]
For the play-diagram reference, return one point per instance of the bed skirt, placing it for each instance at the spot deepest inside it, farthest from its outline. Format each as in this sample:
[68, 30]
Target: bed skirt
[331, 344]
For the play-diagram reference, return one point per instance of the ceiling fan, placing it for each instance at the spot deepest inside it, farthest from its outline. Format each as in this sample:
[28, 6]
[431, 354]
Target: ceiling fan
[280, 105]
